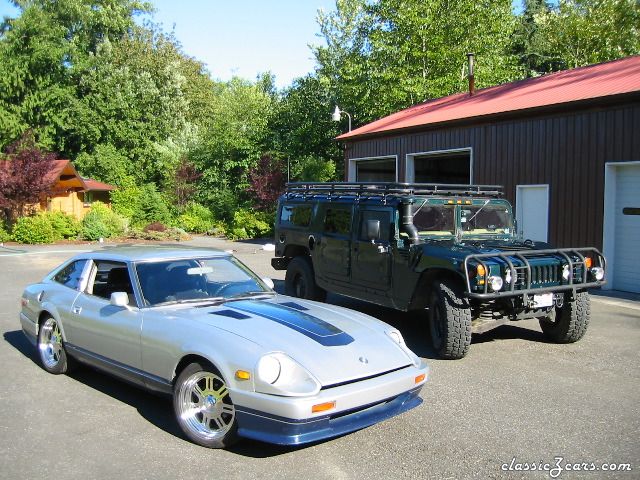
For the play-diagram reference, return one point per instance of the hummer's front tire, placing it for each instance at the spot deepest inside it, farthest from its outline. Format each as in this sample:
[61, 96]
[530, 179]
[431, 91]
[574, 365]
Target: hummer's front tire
[449, 320]
[300, 281]
[569, 323]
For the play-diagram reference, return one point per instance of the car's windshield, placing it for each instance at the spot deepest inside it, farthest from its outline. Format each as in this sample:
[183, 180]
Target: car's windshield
[486, 219]
[435, 220]
[201, 279]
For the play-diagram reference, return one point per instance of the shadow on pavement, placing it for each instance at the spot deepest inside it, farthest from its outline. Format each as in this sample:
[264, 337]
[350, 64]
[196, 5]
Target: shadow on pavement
[155, 408]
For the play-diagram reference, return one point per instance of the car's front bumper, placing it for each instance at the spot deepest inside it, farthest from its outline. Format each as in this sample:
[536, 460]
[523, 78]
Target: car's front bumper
[290, 421]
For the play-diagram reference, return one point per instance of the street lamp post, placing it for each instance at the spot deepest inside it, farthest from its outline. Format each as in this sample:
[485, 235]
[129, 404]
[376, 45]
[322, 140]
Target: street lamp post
[337, 113]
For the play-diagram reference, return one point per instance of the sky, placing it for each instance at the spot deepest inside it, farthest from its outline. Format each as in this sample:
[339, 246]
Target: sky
[241, 37]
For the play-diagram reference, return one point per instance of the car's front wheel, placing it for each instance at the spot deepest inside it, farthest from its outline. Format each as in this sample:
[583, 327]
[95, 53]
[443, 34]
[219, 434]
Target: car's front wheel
[203, 407]
[569, 323]
[51, 352]
[300, 281]
[449, 320]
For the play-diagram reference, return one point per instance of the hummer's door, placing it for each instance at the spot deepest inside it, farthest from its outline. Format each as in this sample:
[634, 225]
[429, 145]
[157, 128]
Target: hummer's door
[371, 257]
[332, 250]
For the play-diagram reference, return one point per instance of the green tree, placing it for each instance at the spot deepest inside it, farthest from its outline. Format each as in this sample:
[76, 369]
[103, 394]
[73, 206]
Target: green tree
[581, 32]
[386, 55]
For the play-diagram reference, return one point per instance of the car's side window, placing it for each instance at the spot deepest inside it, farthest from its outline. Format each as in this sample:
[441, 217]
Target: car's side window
[337, 221]
[385, 223]
[71, 275]
[110, 277]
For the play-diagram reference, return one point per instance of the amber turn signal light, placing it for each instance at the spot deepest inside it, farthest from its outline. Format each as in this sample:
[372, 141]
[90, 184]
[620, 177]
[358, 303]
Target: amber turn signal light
[481, 270]
[243, 375]
[323, 407]
[588, 262]
[420, 377]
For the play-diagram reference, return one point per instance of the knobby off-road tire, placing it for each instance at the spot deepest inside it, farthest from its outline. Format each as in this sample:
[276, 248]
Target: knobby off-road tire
[203, 408]
[449, 320]
[569, 323]
[300, 281]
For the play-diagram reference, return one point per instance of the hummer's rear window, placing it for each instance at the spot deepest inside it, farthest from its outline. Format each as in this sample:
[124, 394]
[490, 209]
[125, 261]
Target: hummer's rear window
[296, 215]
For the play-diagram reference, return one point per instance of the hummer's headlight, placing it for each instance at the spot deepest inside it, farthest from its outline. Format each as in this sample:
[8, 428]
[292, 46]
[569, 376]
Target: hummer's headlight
[495, 283]
[279, 374]
[508, 277]
[566, 273]
[598, 273]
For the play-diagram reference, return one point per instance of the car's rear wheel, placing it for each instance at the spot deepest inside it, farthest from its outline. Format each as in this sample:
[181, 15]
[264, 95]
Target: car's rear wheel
[203, 407]
[569, 323]
[449, 320]
[300, 281]
[51, 352]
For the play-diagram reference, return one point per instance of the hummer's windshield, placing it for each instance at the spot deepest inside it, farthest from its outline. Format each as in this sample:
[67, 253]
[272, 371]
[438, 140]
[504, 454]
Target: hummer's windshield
[438, 219]
[486, 219]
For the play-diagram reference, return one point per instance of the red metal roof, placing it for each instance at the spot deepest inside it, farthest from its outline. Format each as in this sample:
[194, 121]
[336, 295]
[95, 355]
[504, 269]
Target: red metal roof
[96, 185]
[58, 167]
[584, 83]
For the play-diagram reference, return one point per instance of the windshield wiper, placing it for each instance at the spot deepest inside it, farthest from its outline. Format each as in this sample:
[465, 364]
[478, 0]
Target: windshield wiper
[190, 300]
[243, 295]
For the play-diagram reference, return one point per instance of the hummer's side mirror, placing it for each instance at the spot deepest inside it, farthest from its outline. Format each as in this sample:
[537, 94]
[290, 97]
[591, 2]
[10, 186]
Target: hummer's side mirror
[372, 229]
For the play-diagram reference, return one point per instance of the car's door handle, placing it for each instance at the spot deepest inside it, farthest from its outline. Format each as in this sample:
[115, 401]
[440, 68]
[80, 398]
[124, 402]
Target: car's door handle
[77, 310]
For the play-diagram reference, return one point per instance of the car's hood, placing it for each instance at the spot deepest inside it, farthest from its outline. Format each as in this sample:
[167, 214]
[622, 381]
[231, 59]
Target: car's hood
[478, 246]
[336, 345]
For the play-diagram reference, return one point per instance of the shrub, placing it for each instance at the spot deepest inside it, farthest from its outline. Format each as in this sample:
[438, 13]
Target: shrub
[64, 226]
[196, 218]
[176, 234]
[102, 222]
[5, 236]
[36, 229]
[155, 227]
[248, 224]
[152, 207]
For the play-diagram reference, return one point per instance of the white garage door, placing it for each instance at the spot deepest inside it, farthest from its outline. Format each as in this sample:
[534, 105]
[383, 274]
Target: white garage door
[626, 267]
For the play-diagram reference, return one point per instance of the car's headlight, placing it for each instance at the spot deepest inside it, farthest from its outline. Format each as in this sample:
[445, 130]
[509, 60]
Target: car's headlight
[597, 272]
[279, 374]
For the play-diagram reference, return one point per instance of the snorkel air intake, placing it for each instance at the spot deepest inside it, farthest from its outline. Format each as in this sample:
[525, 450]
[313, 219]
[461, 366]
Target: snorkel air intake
[406, 221]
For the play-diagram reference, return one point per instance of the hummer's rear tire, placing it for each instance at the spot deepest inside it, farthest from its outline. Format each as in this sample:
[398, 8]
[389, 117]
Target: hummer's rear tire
[569, 323]
[449, 320]
[300, 281]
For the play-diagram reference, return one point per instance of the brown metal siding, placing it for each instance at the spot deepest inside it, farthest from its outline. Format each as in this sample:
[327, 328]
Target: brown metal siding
[566, 150]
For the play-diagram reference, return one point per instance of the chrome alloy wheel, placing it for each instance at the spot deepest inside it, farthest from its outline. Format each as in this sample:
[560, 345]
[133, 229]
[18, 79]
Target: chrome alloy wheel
[205, 406]
[50, 344]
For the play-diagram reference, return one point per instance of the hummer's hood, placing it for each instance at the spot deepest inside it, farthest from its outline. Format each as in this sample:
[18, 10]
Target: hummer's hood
[334, 344]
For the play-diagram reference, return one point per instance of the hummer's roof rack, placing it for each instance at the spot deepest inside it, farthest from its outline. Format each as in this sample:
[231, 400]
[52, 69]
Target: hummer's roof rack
[372, 189]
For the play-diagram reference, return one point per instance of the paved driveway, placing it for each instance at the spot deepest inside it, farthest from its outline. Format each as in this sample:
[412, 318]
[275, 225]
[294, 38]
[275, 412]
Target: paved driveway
[513, 397]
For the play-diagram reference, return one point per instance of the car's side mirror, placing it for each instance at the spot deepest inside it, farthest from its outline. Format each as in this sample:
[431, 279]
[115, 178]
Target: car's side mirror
[269, 283]
[120, 299]
[372, 229]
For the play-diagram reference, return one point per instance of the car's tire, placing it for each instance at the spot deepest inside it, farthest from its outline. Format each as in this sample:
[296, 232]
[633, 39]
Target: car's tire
[449, 320]
[51, 352]
[569, 323]
[203, 407]
[300, 281]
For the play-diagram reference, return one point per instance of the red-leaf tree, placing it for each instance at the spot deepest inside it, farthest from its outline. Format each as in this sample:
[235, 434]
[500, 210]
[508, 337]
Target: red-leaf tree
[184, 184]
[266, 182]
[23, 176]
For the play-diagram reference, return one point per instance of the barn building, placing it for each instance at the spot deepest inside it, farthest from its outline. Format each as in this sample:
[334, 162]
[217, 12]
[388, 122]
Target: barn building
[565, 146]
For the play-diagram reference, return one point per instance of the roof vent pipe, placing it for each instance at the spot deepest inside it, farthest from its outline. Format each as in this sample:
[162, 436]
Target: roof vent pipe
[472, 85]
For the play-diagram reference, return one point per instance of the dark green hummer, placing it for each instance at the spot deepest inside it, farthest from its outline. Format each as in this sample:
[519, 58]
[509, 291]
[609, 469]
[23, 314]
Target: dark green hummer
[450, 249]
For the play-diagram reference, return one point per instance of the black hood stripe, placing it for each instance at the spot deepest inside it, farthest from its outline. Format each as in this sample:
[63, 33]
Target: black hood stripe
[322, 332]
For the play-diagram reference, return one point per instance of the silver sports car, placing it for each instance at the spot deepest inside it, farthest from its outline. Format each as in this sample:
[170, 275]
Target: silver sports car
[239, 359]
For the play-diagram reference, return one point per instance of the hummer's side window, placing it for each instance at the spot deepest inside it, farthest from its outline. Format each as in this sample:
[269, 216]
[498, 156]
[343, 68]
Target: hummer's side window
[337, 221]
[296, 215]
[385, 223]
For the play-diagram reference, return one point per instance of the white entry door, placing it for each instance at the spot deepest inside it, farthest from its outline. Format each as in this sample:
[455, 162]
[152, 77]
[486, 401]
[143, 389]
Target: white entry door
[532, 211]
